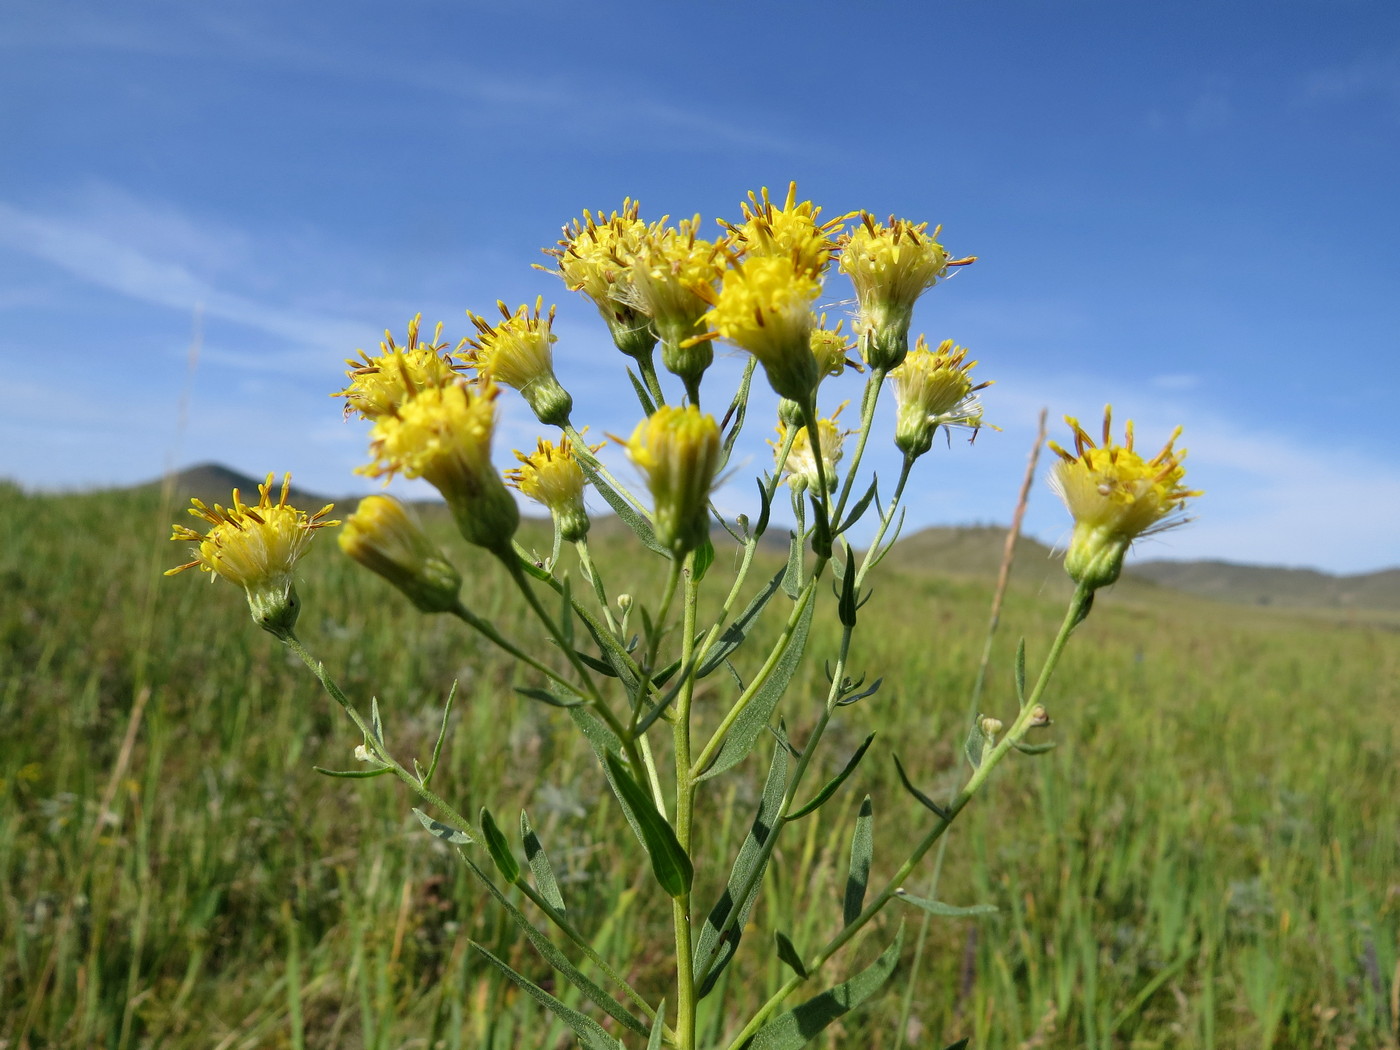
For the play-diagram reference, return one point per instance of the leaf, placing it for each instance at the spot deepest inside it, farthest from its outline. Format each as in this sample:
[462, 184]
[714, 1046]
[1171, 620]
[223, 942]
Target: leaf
[961, 1044]
[604, 743]
[946, 910]
[836, 781]
[938, 810]
[669, 862]
[847, 701]
[976, 743]
[441, 737]
[704, 558]
[499, 848]
[658, 1027]
[747, 728]
[738, 408]
[724, 926]
[446, 832]
[789, 954]
[1034, 749]
[734, 634]
[375, 723]
[643, 395]
[846, 606]
[566, 612]
[765, 505]
[862, 847]
[792, 577]
[799, 1026]
[859, 508]
[591, 1034]
[1021, 670]
[601, 666]
[354, 774]
[540, 867]
[545, 696]
[623, 509]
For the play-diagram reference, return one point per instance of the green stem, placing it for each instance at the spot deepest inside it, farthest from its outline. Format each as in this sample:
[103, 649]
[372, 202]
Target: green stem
[869, 399]
[486, 628]
[1078, 608]
[590, 573]
[685, 809]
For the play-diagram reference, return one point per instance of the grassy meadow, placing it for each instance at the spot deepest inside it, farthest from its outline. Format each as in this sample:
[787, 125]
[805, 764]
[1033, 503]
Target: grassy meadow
[1210, 857]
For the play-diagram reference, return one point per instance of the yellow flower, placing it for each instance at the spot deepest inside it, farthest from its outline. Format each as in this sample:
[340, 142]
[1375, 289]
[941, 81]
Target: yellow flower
[765, 307]
[678, 450]
[829, 347]
[934, 388]
[257, 548]
[1115, 496]
[384, 537]
[552, 476]
[379, 384]
[890, 267]
[791, 232]
[801, 462]
[443, 434]
[517, 352]
[595, 257]
[673, 282]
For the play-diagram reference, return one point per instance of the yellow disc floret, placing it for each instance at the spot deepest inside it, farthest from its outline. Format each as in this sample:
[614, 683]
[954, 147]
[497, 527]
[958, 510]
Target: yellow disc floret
[257, 548]
[792, 231]
[1115, 496]
[379, 384]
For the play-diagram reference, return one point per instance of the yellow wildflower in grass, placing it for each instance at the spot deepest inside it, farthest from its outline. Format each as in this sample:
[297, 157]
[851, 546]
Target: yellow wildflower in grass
[678, 450]
[791, 231]
[934, 388]
[595, 257]
[257, 548]
[385, 537]
[444, 435]
[1115, 496]
[552, 476]
[801, 462]
[673, 283]
[890, 267]
[765, 307]
[379, 384]
[517, 352]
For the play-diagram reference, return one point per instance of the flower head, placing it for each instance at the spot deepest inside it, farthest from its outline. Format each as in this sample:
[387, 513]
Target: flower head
[257, 548]
[384, 537]
[679, 452]
[934, 388]
[673, 282]
[790, 232]
[765, 307]
[890, 267]
[444, 435]
[552, 476]
[830, 347]
[595, 257]
[379, 384]
[1115, 496]
[517, 352]
[801, 461]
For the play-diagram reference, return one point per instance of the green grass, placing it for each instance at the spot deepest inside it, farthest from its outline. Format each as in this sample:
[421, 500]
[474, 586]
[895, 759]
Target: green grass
[1209, 858]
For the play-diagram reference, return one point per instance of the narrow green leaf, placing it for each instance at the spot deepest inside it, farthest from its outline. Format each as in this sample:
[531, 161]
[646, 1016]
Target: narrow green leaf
[862, 846]
[859, 508]
[1034, 749]
[604, 743]
[799, 1026]
[945, 910]
[847, 701]
[441, 737]
[545, 696]
[704, 558]
[499, 848]
[1021, 670]
[738, 408]
[846, 606]
[643, 394]
[601, 666]
[591, 1034]
[529, 566]
[792, 577]
[976, 742]
[789, 954]
[736, 632]
[747, 728]
[669, 862]
[446, 832]
[874, 558]
[375, 723]
[938, 810]
[538, 859]
[566, 612]
[835, 782]
[724, 926]
[658, 1027]
[623, 509]
[765, 505]
[961, 1044]
[353, 774]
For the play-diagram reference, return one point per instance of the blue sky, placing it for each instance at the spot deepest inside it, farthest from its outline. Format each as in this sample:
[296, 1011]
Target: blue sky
[1187, 210]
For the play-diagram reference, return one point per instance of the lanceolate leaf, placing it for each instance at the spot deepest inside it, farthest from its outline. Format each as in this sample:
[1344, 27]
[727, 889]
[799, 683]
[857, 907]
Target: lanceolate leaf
[546, 697]
[624, 510]
[604, 742]
[747, 728]
[735, 633]
[499, 848]
[669, 862]
[789, 953]
[1021, 671]
[540, 867]
[800, 1025]
[923, 799]
[704, 558]
[862, 846]
[836, 781]
[658, 1027]
[945, 910]
[353, 774]
[719, 936]
[859, 508]
[446, 832]
[591, 1034]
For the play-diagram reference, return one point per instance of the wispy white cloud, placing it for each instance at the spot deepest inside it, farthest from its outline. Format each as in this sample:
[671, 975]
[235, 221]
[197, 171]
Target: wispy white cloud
[1367, 77]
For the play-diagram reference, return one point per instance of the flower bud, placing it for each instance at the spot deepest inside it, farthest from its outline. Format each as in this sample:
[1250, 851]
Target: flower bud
[384, 537]
[679, 452]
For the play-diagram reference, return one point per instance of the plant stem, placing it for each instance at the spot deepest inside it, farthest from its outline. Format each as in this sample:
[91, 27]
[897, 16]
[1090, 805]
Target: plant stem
[685, 808]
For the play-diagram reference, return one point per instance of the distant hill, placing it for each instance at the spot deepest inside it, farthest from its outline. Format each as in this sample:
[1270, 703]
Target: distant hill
[1265, 585]
[214, 483]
